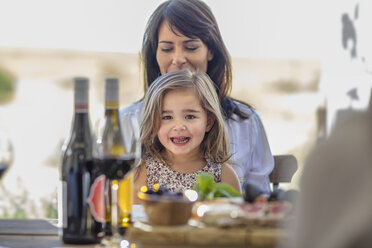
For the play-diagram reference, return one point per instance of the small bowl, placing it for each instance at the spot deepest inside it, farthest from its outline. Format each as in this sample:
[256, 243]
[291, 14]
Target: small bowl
[165, 210]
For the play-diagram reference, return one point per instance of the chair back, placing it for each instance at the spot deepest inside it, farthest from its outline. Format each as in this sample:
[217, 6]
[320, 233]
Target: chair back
[284, 168]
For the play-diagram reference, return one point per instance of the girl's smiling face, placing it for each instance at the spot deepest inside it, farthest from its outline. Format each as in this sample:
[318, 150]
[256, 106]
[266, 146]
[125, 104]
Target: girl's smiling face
[184, 123]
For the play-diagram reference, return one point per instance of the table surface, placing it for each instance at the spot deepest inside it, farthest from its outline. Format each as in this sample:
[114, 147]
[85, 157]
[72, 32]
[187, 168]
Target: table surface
[44, 234]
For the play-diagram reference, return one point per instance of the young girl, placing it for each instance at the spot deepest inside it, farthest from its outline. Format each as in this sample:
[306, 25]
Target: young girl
[183, 134]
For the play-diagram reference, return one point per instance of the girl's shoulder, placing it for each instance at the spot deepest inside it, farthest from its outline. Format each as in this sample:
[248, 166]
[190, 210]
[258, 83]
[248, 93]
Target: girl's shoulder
[226, 166]
[229, 176]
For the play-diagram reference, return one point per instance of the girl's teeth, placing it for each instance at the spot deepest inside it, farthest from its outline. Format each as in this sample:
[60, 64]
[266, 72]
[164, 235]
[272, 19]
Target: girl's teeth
[180, 140]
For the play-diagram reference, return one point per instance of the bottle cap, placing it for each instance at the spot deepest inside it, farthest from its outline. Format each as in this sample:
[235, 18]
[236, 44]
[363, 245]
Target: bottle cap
[112, 92]
[81, 86]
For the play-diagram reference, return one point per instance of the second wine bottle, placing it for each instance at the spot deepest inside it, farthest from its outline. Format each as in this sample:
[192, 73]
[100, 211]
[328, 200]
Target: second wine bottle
[113, 147]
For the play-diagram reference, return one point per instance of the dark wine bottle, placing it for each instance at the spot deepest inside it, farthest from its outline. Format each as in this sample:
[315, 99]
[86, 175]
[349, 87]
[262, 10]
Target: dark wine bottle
[80, 195]
[114, 162]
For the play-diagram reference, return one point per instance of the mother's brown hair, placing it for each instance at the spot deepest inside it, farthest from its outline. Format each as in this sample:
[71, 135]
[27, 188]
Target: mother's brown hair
[192, 18]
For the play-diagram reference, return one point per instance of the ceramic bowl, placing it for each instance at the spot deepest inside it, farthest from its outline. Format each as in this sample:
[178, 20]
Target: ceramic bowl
[166, 210]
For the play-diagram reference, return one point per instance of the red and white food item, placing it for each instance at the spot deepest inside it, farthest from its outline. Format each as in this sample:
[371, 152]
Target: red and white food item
[254, 210]
[279, 209]
[262, 213]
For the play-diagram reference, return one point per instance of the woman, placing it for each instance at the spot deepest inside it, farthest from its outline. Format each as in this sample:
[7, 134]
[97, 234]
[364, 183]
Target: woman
[183, 34]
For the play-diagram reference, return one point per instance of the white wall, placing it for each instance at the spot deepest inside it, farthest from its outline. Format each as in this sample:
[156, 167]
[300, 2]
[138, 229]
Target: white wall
[251, 28]
[343, 72]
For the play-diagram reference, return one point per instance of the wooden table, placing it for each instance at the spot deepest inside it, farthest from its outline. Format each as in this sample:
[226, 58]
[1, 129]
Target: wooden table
[29, 233]
[203, 237]
[44, 234]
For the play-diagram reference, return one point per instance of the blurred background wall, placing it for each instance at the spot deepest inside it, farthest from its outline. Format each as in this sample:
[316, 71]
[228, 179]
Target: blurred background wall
[296, 62]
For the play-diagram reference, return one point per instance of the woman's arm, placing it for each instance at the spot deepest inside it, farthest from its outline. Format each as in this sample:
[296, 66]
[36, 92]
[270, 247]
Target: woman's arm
[139, 181]
[229, 176]
[251, 155]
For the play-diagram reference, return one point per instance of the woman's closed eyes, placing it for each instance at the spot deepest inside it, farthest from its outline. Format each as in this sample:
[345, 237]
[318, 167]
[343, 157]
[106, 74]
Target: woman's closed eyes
[170, 49]
[189, 45]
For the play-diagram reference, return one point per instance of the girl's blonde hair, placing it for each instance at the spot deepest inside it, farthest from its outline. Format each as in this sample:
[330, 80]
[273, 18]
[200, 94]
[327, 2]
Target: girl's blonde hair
[215, 144]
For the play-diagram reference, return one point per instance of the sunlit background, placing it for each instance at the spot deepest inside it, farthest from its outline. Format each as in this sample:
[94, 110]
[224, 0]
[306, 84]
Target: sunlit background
[289, 62]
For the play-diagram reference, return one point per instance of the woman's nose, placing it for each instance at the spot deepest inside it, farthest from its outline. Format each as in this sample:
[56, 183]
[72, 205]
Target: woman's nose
[178, 58]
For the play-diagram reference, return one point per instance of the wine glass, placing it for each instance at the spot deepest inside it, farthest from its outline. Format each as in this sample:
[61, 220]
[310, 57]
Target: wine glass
[116, 156]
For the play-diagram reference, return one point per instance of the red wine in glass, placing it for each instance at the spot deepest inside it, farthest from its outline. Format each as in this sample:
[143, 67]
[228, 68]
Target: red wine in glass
[116, 168]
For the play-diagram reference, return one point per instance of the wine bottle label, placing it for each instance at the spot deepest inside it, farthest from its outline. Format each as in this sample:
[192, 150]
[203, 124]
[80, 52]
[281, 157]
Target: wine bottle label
[96, 199]
[81, 108]
[111, 105]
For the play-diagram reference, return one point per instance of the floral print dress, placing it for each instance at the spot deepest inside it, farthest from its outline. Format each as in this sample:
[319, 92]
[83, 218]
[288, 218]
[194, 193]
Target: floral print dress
[159, 172]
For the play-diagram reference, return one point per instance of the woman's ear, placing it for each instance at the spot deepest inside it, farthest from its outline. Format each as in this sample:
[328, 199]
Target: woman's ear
[210, 55]
[210, 123]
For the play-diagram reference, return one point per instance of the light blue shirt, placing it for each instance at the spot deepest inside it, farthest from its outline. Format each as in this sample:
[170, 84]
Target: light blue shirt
[251, 154]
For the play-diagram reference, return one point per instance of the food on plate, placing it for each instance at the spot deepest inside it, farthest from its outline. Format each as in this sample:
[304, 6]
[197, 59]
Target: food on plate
[261, 198]
[254, 210]
[217, 213]
[257, 213]
[279, 209]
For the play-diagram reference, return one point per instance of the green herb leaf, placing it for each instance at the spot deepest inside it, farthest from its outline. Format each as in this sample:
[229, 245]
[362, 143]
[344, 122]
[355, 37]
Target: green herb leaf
[208, 189]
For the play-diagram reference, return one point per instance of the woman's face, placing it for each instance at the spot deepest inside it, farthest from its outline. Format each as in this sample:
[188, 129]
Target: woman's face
[176, 51]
